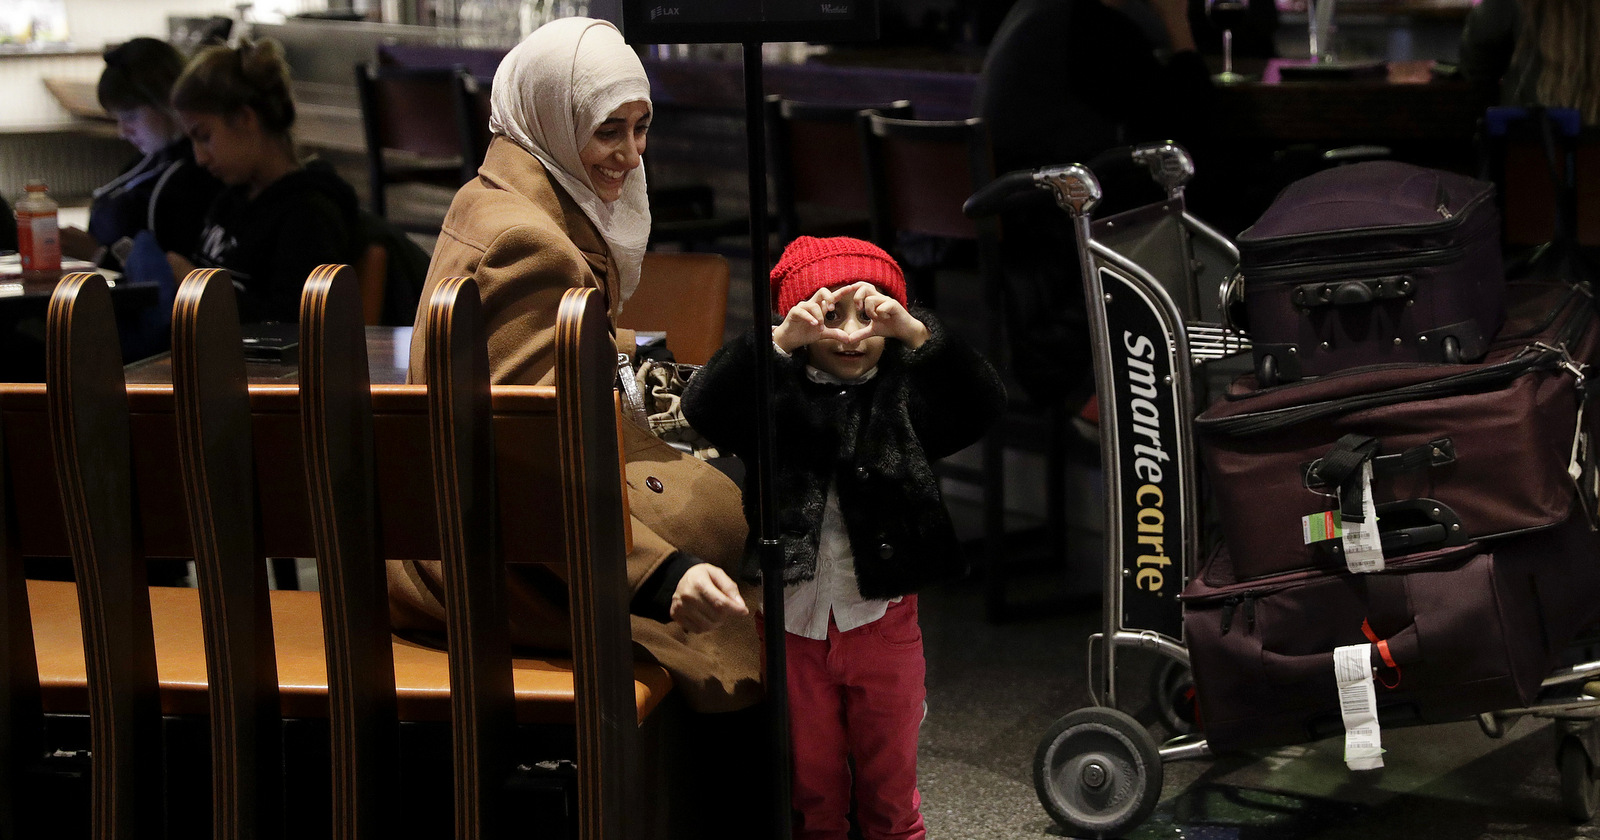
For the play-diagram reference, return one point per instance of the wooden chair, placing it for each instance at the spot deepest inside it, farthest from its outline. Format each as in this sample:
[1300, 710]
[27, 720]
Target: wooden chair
[88, 422]
[817, 168]
[408, 141]
[556, 499]
[684, 296]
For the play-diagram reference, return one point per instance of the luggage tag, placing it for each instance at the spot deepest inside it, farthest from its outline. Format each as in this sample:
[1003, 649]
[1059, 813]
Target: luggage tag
[1363, 549]
[1358, 706]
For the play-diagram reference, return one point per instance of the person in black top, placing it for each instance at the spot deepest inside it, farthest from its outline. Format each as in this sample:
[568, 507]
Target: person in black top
[279, 218]
[164, 191]
[1064, 81]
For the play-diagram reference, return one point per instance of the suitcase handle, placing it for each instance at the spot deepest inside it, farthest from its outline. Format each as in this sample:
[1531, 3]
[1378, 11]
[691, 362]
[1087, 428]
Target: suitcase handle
[1353, 292]
[1287, 669]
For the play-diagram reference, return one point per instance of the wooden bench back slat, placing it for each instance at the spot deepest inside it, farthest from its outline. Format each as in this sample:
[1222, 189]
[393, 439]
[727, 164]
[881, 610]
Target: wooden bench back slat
[21, 720]
[607, 740]
[214, 454]
[88, 419]
[462, 439]
[336, 422]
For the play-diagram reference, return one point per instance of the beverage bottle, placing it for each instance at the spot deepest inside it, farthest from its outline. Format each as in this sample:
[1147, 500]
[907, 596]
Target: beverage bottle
[38, 236]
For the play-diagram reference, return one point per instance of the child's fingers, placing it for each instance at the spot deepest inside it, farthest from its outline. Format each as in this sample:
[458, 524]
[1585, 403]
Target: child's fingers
[859, 335]
[836, 334]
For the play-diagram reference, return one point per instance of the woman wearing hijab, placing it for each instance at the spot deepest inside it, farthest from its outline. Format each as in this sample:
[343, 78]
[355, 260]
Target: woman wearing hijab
[559, 203]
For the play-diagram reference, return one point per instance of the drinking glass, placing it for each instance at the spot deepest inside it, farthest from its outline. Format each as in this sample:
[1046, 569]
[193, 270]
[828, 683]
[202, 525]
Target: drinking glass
[1225, 15]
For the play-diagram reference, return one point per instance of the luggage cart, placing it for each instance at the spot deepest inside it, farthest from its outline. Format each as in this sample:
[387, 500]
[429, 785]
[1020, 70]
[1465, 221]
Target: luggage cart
[1159, 284]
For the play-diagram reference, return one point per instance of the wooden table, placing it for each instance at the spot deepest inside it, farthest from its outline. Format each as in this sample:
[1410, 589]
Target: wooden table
[23, 304]
[388, 359]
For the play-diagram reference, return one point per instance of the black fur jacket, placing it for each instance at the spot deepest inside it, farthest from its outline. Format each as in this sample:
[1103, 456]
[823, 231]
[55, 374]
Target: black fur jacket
[876, 441]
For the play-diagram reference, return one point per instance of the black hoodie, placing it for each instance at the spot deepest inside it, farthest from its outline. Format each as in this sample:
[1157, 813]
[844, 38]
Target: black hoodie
[272, 242]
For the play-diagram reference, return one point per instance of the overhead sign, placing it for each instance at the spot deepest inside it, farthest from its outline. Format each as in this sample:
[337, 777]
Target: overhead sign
[746, 21]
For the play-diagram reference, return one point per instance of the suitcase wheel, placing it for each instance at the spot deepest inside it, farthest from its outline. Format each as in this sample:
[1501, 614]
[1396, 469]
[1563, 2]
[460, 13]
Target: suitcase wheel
[1097, 772]
[1267, 374]
[1580, 790]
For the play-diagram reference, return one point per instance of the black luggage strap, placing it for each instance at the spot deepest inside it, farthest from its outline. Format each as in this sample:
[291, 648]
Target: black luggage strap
[1434, 453]
[1341, 468]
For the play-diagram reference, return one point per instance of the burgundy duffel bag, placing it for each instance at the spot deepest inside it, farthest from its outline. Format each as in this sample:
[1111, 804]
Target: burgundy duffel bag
[1458, 453]
[1373, 262]
[1464, 630]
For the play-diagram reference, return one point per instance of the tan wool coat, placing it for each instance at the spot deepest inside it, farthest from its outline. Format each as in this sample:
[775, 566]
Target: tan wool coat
[526, 242]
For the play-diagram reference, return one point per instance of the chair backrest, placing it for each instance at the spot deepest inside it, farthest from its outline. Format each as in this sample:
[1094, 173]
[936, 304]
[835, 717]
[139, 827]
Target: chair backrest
[816, 160]
[1546, 165]
[212, 413]
[88, 427]
[544, 490]
[462, 436]
[685, 296]
[336, 424]
[402, 110]
[920, 172]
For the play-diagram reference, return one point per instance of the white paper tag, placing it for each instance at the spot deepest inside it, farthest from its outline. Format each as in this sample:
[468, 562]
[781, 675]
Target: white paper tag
[1363, 550]
[1358, 705]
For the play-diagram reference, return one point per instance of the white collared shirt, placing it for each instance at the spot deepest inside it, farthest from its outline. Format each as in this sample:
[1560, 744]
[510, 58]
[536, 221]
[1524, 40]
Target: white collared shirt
[808, 604]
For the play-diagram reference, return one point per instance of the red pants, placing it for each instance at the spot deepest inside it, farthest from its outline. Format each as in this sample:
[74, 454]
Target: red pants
[858, 695]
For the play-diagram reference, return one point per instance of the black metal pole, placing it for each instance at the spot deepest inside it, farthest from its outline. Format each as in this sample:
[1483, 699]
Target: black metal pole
[762, 485]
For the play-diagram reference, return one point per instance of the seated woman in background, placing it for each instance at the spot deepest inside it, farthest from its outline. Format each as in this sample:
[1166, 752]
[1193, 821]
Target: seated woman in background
[279, 217]
[1535, 52]
[164, 191]
[559, 203]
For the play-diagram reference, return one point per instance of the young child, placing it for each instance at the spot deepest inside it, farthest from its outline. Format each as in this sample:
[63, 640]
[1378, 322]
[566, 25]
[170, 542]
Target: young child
[866, 395]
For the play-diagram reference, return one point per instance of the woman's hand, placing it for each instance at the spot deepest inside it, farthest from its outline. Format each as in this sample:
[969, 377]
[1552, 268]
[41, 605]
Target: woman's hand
[705, 598]
[78, 244]
[887, 317]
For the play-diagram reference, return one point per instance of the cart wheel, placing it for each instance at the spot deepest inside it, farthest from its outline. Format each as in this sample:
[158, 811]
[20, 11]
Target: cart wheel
[1580, 791]
[1097, 772]
[1452, 350]
[1267, 371]
[1172, 685]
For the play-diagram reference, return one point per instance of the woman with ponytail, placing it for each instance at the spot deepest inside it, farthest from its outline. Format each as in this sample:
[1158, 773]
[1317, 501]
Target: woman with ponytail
[280, 216]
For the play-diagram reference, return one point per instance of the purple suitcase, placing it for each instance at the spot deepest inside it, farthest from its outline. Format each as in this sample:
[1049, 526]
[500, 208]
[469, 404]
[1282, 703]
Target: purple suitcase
[1458, 452]
[1372, 262]
[1466, 630]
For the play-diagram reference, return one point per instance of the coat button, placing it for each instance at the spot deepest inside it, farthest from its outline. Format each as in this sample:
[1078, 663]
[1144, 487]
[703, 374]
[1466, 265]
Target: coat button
[885, 551]
[654, 484]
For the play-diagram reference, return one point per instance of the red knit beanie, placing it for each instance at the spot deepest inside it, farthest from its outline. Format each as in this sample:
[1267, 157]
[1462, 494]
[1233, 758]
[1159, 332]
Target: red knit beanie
[809, 264]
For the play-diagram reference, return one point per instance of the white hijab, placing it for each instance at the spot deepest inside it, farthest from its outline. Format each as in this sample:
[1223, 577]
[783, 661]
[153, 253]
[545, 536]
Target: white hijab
[550, 93]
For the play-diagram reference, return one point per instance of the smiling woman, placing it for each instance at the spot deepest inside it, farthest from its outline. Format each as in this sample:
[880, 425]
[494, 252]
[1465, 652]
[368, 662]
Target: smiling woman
[559, 203]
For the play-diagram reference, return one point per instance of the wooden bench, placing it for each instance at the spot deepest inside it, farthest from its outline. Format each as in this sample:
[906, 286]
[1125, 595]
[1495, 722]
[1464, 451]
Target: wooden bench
[291, 463]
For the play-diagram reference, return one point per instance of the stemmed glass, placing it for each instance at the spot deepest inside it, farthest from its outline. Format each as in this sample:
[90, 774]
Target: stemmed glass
[1225, 15]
